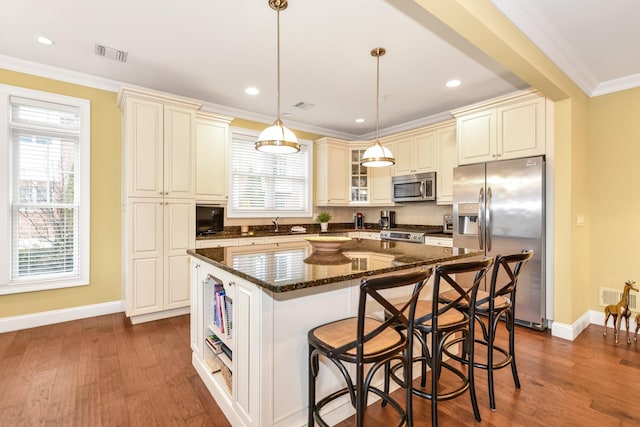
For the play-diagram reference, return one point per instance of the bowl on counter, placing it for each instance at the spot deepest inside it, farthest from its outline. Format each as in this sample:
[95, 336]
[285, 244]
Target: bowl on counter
[327, 258]
[327, 244]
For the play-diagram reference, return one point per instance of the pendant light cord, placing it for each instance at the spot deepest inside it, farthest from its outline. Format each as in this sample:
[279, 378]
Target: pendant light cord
[377, 94]
[278, 56]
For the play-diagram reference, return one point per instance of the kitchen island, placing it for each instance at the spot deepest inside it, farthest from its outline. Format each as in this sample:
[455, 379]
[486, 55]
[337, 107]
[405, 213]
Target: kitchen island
[251, 309]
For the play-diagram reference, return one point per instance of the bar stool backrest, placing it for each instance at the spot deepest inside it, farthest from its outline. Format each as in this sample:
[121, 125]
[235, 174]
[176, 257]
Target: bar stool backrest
[372, 288]
[446, 273]
[504, 278]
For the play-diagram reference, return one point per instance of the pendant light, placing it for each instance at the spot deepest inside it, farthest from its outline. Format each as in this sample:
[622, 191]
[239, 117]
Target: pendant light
[277, 138]
[377, 156]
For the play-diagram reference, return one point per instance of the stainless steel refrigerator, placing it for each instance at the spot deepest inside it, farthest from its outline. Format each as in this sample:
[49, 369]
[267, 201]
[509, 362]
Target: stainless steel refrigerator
[499, 207]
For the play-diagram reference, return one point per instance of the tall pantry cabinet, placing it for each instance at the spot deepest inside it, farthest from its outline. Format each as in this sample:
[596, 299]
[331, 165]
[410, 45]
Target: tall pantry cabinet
[158, 203]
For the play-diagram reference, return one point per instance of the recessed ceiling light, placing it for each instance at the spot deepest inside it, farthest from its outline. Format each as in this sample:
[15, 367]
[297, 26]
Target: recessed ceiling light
[251, 91]
[454, 83]
[44, 40]
[360, 120]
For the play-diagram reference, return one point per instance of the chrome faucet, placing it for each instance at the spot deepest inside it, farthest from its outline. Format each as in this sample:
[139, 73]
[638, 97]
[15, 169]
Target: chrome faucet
[275, 222]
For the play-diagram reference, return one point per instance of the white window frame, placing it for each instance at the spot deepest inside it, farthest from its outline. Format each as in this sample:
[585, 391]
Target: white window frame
[8, 286]
[251, 135]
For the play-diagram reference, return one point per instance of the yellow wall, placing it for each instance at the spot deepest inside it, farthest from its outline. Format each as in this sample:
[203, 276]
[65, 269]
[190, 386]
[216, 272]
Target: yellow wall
[105, 281]
[483, 25]
[614, 176]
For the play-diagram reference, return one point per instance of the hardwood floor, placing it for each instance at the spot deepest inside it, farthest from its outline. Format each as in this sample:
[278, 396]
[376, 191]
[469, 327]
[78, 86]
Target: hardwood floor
[588, 382]
[104, 372]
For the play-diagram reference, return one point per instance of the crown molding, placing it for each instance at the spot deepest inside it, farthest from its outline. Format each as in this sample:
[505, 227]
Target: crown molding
[616, 85]
[534, 24]
[60, 74]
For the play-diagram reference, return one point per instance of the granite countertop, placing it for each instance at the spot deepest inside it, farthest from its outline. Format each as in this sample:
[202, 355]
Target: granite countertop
[291, 266]
[285, 230]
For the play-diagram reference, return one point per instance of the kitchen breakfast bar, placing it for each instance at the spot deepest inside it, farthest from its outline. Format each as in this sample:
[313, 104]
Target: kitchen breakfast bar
[251, 309]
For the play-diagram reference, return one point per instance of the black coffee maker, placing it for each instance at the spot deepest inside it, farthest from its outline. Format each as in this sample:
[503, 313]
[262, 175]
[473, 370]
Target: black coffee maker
[358, 221]
[387, 219]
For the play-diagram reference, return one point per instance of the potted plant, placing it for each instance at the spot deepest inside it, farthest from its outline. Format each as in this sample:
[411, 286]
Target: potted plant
[323, 218]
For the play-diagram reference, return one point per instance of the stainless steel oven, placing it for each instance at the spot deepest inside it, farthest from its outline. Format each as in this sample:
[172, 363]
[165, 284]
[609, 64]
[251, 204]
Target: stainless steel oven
[402, 235]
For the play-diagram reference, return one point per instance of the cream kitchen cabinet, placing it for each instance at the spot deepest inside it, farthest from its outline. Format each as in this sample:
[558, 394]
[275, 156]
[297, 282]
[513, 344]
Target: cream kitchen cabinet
[158, 233]
[380, 182]
[447, 149]
[415, 152]
[158, 145]
[332, 159]
[211, 148]
[159, 203]
[506, 128]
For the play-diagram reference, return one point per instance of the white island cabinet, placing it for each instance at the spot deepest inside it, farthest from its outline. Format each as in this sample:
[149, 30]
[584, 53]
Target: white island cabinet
[257, 368]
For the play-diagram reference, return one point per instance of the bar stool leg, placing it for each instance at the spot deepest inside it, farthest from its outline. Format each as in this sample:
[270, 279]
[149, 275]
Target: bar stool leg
[512, 349]
[313, 372]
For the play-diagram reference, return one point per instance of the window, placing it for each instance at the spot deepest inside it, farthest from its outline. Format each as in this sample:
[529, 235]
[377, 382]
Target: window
[45, 190]
[264, 184]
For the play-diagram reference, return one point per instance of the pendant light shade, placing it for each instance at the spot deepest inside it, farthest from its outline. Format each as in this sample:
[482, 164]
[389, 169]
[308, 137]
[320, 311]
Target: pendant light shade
[277, 138]
[377, 156]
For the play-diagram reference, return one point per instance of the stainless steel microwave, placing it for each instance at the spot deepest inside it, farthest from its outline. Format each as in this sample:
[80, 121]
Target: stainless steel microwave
[419, 187]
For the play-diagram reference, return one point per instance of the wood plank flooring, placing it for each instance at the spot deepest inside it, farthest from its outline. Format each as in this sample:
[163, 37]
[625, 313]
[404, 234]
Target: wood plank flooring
[104, 372]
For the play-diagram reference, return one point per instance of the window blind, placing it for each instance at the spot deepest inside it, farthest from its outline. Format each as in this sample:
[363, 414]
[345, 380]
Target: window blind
[266, 184]
[45, 205]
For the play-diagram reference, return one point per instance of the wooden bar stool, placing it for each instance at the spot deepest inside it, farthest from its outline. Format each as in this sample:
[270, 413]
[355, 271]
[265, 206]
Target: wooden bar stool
[498, 303]
[364, 341]
[442, 321]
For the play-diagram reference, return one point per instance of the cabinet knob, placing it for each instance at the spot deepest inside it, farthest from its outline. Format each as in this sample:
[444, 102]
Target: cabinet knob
[197, 266]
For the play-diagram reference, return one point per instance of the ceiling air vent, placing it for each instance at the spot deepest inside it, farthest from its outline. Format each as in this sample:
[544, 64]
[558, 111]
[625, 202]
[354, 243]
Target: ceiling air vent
[111, 53]
[303, 105]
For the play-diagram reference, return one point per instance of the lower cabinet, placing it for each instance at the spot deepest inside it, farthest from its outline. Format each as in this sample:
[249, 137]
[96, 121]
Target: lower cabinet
[158, 233]
[225, 314]
[264, 380]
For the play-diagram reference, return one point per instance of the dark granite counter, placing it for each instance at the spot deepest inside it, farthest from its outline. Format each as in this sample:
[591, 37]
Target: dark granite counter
[286, 267]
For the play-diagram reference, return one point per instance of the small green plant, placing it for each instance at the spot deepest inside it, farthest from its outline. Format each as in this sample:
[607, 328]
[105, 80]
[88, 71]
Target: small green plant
[324, 217]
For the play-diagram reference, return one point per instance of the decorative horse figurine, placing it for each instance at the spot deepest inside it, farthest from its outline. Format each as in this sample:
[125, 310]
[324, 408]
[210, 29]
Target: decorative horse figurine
[620, 310]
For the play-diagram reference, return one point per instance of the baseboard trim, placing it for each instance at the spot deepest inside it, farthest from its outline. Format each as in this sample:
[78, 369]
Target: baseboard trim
[164, 314]
[570, 331]
[26, 321]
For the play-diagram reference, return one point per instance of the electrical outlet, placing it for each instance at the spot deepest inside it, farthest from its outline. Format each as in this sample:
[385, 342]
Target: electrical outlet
[580, 220]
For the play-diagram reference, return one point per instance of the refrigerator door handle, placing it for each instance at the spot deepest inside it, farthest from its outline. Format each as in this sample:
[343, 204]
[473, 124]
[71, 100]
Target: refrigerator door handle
[480, 219]
[488, 222]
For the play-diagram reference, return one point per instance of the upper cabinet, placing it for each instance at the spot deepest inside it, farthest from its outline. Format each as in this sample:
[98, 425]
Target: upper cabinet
[212, 142]
[380, 181]
[159, 154]
[447, 154]
[332, 159]
[506, 128]
[415, 152]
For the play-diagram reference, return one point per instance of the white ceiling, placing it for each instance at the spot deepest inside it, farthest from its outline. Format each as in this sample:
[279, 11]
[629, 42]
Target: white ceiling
[212, 50]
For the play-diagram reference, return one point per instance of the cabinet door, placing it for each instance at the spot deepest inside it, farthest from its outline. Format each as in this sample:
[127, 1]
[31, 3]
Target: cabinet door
[359, 177]
[179, 227]
[144, 277]
[143, 149]
[380, 181]
[332, 163]
[247, 354]
[179, 152]
[448, 154]
[521, 129]
[211, 160]
[197, 306]
[425, 152]
[404, 152]
[477, 137]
